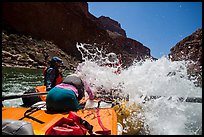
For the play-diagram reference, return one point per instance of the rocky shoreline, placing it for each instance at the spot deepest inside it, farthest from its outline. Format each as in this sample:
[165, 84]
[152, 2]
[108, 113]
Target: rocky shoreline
[26, 52]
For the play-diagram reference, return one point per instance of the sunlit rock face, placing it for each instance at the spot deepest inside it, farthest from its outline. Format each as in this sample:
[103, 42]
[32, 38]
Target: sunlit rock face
[190, 48]
[131, 49]
[65, 24]
[111, 25]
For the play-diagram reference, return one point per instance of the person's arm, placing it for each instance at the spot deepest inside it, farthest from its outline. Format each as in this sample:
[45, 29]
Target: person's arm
[88, 90]
[50, 76]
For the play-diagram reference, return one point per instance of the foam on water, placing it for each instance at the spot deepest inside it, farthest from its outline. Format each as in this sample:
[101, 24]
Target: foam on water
[15, 81]
[162, 77]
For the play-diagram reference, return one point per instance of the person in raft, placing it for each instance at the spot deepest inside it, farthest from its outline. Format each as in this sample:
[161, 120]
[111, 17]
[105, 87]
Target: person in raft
[53, 73]
[66, 95]
[52, 77]
[114, 62]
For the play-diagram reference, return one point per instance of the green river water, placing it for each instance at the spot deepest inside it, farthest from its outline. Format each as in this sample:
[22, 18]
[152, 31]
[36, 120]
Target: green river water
[19, 80]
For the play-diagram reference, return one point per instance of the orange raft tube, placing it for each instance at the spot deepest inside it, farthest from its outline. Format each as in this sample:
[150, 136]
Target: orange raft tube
[41, 120]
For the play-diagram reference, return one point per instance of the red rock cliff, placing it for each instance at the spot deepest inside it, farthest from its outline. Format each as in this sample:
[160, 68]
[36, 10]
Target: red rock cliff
[66, 24]
[190, 48]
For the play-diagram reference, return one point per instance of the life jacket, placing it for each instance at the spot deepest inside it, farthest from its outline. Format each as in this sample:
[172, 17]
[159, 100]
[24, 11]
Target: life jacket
[58, 78]
[41, 89]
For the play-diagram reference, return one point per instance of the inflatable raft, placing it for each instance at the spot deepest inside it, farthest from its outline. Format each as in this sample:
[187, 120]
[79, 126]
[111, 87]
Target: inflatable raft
[102, 119]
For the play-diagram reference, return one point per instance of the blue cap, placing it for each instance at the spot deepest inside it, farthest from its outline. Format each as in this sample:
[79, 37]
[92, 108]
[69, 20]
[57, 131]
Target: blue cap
[56, 59]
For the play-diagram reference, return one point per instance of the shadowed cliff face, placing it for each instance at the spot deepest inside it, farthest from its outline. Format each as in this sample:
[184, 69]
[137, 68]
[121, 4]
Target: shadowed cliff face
[65, 24]
[190, 48]
[62, 23]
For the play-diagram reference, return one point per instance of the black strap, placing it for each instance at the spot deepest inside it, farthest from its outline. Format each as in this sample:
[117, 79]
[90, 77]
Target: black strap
[86, 124]
[31, 111]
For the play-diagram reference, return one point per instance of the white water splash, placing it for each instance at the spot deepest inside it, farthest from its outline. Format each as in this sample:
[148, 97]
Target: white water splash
[157, 78]
[150, 78]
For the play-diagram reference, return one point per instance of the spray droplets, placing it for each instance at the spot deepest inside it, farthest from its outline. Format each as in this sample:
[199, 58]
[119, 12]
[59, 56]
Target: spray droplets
[160, 77]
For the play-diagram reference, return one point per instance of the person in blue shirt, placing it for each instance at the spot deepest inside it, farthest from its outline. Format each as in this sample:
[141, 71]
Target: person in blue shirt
[53, 74]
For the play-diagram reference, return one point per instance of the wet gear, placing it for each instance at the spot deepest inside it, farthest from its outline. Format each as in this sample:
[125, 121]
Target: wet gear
[77, 82]
[61, 100]
[66, 95]
[28, 101]
[16, 127]
[72, 125]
